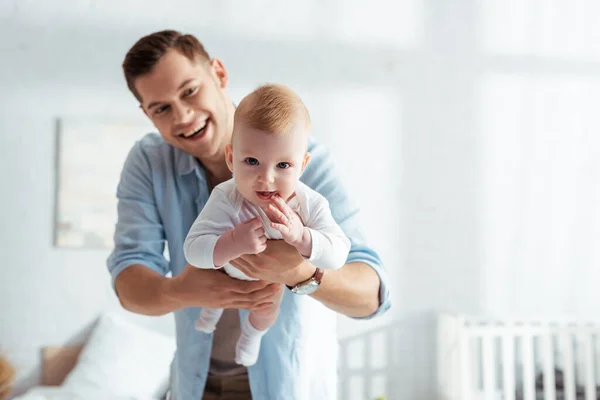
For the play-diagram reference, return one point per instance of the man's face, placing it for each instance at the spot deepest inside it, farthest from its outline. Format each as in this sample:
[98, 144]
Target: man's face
[266, 164]
[187, 103]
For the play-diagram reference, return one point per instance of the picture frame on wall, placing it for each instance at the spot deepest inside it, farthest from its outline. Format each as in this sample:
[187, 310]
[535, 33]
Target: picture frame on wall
[89, 158]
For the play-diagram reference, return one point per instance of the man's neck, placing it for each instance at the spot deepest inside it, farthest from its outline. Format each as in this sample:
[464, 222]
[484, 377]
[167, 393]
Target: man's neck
[216, 167]
[216, 172]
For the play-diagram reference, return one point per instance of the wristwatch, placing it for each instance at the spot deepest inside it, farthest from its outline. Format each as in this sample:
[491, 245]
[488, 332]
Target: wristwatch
[310, 285]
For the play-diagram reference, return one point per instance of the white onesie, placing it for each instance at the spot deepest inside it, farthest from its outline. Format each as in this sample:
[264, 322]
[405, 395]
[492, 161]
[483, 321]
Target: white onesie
[226, 208]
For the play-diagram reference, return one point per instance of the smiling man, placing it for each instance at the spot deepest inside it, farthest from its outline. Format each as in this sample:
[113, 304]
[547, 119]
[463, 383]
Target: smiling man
[166, 182]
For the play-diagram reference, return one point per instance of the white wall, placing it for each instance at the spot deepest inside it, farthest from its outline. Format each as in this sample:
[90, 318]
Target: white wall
[421, 101]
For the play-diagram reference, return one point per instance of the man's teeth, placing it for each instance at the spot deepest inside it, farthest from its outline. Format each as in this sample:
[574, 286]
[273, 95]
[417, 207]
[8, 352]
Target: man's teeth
[190, 134]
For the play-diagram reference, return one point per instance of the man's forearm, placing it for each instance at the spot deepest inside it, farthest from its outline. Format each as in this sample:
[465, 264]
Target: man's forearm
[352, 290]
[143, 291]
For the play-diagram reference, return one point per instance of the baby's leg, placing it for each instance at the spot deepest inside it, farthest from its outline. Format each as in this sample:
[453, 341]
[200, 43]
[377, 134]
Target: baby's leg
[207, 321]
[254, 326]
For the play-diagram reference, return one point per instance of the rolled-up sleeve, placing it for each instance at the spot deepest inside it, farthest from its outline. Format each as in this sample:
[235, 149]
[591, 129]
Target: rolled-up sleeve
[320, 175]
[139, 234]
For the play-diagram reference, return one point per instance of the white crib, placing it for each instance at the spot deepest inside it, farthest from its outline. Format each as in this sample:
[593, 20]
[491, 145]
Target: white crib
[512, 360]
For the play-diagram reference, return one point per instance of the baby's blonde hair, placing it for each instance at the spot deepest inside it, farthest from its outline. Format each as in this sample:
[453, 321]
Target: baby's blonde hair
[273, 108]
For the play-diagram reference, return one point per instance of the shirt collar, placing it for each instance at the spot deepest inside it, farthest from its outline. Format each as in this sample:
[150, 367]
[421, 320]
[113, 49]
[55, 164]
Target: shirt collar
[186, 163]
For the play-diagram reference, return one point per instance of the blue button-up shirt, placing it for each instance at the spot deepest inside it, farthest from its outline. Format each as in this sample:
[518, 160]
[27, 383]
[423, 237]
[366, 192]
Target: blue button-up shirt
[161, 192]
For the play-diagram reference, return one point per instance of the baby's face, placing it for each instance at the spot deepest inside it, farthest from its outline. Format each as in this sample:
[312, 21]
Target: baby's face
[266, 164]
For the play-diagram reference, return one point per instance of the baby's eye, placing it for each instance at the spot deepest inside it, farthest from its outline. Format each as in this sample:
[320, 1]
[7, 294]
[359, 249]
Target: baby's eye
[283, 165]
[251, 161]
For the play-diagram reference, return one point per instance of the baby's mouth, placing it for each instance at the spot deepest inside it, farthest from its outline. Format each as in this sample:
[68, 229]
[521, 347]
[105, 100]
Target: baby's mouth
[265, 195]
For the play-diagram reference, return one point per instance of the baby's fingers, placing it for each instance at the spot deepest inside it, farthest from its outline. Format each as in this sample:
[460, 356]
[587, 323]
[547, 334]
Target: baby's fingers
[277, 213]
[284, 230]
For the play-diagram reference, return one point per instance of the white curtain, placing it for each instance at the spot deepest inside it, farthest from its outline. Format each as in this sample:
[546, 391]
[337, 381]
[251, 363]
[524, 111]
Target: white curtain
[541, 166]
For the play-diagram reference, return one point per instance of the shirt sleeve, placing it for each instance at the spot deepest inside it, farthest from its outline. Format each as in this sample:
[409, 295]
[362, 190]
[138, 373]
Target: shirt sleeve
[320, 175]
[215, 219]
[329, 244]
[139, 234]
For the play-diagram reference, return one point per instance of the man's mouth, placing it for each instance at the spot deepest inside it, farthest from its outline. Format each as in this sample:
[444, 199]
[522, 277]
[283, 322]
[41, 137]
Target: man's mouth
[194, 133]
[266, 195]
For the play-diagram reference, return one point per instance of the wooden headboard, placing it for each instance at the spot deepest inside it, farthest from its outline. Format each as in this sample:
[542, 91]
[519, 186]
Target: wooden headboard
[57, 362]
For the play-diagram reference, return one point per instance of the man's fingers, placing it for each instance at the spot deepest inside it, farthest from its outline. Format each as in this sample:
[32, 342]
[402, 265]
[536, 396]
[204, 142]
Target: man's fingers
[245, 270]
[249, 287]
[247, 305]
[267, 295]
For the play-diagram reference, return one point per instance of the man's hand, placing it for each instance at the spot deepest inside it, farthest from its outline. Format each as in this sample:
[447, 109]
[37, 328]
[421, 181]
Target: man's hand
[280, 262]
[249, 237]
[196, 287]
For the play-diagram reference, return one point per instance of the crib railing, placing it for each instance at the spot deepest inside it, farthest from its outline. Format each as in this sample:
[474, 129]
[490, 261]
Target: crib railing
[365, 364]
[512, 360]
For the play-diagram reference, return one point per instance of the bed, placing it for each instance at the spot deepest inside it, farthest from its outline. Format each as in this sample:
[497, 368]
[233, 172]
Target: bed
[120, 361]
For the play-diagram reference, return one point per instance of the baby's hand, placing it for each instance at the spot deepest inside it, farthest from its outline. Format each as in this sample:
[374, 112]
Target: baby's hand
[286, 221]
[249, 237]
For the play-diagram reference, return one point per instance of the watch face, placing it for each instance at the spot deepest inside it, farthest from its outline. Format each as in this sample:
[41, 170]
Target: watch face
[306, 288]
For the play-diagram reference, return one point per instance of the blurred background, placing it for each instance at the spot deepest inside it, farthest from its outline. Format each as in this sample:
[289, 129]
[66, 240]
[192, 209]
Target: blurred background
[467, 131]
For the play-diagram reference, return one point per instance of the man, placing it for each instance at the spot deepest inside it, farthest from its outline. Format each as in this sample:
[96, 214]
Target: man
[164, 184]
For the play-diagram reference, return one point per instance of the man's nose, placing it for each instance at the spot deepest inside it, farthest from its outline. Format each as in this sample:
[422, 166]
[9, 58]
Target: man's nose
[182, 115]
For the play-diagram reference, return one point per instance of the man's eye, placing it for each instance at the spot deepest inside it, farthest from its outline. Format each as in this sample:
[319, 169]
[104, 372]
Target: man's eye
[251, 161]
[189, 91]
[283, 165]
[160, 110]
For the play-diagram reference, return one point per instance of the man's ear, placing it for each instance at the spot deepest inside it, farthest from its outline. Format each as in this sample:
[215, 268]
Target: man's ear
[305, 161]
[220, 72]
[229, 157]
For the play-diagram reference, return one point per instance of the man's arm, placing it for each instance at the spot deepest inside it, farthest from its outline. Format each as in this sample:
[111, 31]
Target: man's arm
[144, 291]
[353, 290]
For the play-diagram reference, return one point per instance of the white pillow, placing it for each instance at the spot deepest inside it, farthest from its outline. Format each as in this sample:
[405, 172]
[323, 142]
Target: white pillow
[127, 359]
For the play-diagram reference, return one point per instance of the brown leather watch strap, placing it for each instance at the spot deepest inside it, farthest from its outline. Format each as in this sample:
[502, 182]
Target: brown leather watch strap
[317, 277]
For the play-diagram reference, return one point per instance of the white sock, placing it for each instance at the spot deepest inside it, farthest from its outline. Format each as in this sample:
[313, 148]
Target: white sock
[207, 321]
[248, 345]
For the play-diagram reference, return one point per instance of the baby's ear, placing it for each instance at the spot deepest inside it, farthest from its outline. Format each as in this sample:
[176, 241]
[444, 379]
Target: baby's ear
[229, 157]
[305, 161]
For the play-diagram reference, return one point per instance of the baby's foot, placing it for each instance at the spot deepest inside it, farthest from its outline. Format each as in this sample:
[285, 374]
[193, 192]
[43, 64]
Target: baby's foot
[248, 345]
[208, 319]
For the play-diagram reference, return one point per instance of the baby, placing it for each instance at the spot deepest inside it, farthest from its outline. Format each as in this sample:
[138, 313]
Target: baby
[264, 200]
